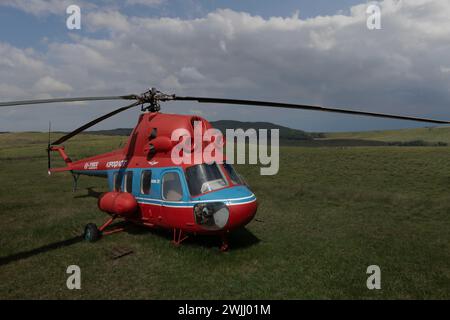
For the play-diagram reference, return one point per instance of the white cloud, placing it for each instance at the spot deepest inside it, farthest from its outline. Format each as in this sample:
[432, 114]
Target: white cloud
[111, 20]
[44, 7]
[11, 91]
[332, 60]
[48, 84]
[149, 3]
[191, 73]
[445, 69]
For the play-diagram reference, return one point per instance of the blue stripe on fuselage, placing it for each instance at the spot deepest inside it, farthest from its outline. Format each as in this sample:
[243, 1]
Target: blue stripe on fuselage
[230, 195]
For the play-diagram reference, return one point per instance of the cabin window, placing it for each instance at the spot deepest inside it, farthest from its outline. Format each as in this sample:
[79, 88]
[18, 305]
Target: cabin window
[234, 176]
[128, 182]
[171, 187]
[146, 181]
[117, 182]
[204, 178]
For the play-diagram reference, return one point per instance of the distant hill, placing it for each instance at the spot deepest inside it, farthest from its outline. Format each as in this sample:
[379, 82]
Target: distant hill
[285, 132]
[112, 132]
[429, 136]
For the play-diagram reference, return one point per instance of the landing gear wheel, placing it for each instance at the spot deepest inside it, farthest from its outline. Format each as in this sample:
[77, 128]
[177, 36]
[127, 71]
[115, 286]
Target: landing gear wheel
[91, 232]
[224, 247]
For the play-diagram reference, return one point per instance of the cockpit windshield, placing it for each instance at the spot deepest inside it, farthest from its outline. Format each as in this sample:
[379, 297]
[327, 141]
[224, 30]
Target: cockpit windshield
[204, 178]
[234, 176]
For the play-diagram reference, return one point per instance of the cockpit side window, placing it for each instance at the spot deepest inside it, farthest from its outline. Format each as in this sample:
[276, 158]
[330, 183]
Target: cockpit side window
[171, 187]
[117, 182]
[128, 182]
[146, 181]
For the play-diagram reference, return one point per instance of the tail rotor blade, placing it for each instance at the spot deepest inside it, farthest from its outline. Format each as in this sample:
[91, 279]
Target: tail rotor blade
[48, 148]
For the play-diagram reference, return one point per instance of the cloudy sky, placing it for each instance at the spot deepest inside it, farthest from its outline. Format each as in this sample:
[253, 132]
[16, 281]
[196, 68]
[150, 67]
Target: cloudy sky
[318, 52]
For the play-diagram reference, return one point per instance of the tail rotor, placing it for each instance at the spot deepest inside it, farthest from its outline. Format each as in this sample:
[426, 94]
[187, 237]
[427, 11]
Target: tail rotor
[49, 164]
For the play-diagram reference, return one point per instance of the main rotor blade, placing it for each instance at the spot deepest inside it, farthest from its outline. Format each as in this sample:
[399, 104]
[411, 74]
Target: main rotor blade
[307, 107]
[92, 123]
[41, 101]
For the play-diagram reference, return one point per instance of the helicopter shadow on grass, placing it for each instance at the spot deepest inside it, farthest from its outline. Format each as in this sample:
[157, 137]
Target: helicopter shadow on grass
[43, 249]
[241, 238]
[91, 193]
[51, 246]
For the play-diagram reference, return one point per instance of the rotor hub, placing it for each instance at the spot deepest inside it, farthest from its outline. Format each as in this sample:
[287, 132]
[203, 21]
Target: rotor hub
[153, 97]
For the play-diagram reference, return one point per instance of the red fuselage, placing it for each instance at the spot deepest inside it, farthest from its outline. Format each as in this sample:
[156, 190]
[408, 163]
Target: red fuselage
[148, 187]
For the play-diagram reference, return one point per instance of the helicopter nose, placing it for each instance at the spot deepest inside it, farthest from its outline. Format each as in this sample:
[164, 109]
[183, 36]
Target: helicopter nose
[240, 215]
[240, 203]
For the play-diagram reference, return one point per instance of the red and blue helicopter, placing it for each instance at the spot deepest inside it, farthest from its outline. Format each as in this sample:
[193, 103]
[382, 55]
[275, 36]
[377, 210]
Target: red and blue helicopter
[148, 188]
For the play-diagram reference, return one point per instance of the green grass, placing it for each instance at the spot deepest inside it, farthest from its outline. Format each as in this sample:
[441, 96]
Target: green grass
[430, 134]
[327, 215]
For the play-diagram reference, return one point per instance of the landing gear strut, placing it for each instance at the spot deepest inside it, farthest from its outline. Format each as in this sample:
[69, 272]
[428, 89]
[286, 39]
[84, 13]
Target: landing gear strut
[92, 233]
[225, 246]
[178, 237]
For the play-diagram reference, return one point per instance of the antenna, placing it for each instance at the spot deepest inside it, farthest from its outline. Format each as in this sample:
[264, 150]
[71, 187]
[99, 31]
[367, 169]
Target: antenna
[48, 148]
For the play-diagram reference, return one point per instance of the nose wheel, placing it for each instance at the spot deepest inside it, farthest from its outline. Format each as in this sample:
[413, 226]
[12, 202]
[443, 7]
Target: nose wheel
[225, 246]
[91, 232]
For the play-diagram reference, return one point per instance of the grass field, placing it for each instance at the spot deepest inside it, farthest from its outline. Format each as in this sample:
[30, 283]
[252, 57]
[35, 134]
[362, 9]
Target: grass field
[429, 134]
[327, 216]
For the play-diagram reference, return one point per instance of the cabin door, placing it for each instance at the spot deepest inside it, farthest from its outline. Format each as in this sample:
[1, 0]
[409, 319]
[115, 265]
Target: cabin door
[171, 194]
[148, 197]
